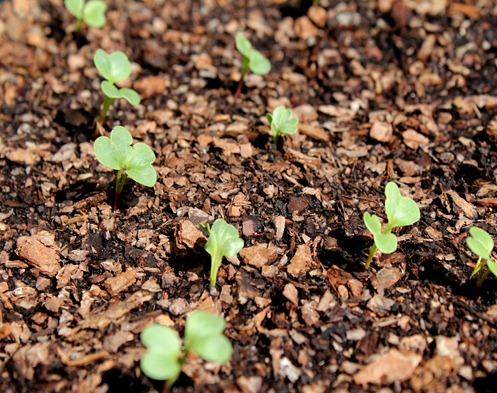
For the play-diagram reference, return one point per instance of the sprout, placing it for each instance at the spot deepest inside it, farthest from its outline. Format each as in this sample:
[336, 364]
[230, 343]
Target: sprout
[92, 13]
[252, 60]
[114, 68]
[203, 335]
[224, 241]
[401, 211]
[482, 244]
[281, 122]
[134, 161]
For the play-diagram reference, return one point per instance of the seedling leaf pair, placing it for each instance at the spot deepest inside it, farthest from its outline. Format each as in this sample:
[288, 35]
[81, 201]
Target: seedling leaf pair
[401, 211]
[114, 67]
[482, 244]
[282, 122]
[92, 13]
[223, 241]
[161, 361]
[252, 59]
[203, 335]
[134, 161]
[114, 92]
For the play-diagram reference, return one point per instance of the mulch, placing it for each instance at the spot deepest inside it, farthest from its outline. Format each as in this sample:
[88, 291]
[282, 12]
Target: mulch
[385, 90]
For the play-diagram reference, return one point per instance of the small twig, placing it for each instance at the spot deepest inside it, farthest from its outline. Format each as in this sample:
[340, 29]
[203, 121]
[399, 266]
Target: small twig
[475, 313]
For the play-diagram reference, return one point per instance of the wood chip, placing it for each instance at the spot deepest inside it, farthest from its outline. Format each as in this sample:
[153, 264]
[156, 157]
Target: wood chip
[121, 282]
[40, 252]
[301, 262]
[393, 366]
[259, 255]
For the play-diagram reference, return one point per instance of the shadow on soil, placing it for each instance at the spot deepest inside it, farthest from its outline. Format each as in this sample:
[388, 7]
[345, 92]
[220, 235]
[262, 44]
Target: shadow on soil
[433, 271]
[486, 384]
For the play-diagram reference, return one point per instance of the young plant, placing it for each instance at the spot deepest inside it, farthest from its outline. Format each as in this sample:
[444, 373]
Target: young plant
[223, 241]
[282, 122]
[401, 211]
[114, 67]
[91, 13]
[482, 244]
[252, 60]
[164, 358]
[134, 161]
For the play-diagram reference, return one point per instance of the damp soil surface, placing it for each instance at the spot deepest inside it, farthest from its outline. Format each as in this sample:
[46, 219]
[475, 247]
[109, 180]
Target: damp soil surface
[386, 90]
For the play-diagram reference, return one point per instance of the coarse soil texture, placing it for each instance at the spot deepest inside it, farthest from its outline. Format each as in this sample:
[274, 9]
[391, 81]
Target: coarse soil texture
[384, 90]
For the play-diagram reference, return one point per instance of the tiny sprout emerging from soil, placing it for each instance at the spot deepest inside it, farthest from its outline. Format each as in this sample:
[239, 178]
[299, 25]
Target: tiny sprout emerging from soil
[134, 161]
[401, 211]
[114, 67]
[252, 60]
[92, 13]
[203, 335]
[223, 241]
[482, 244]
[281, 122]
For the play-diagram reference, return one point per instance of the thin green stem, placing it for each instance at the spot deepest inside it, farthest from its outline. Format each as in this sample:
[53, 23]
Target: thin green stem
[275, 138]
[482, 272]
[372, 251]
[79, 26]
[120, 180]
[244, 71]
[105, 107]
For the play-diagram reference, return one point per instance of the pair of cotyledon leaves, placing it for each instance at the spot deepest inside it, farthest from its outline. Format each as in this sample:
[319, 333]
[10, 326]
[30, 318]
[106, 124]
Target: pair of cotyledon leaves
[203, 335]
[115, 67]
[92, 13]
[117, 153]
[482, 244]
[255, 60]
[282, 122]
[401, 211]
[224, 241]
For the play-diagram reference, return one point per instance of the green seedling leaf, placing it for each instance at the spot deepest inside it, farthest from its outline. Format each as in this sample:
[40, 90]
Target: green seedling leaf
[223, 241]
[480, 242]
[114, 67]
[75, 7]
[258, 63]
[282, 122]
[492, 265]
[134, 161]
[114, 92]
[162, 359]
[204, 336]
[117, 153]
[242, 44]
[372, 222]
[401, 211]
[385, 242]
[94, 13]
[252, 59]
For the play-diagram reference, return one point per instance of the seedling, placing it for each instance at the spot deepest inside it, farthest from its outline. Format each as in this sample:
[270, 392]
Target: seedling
[223, 241]
[401, 211]
[91, 13]
[282, 122]
[164, 358]
[482, 244]
[252, 60]
[134, 161]
[114, 67]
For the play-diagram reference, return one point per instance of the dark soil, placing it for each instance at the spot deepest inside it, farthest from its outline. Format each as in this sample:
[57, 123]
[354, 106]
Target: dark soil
[387, 90]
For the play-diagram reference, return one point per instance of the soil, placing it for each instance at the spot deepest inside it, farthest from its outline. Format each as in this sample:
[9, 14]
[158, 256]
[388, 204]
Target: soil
[385, 90]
